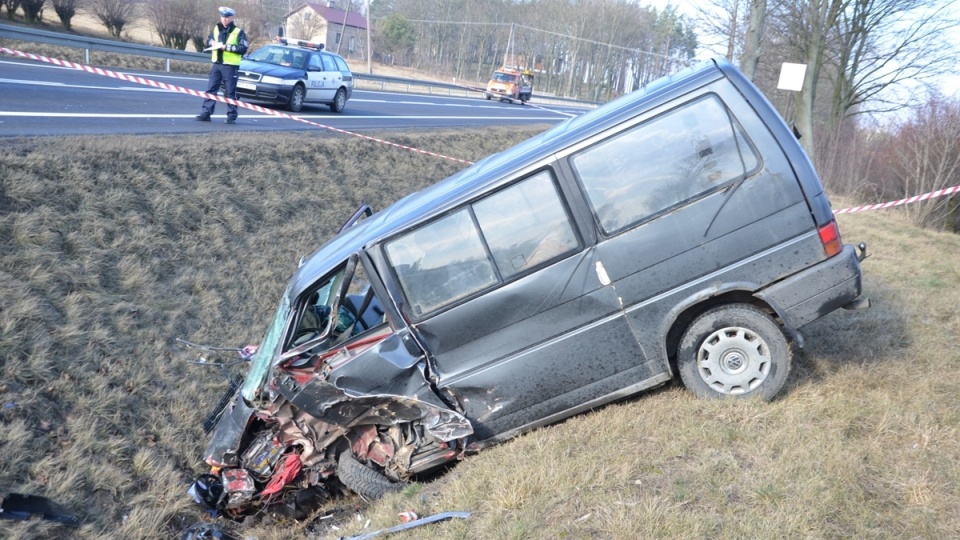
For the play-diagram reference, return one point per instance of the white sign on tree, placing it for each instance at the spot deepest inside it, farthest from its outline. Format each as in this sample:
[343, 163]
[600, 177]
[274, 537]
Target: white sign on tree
[791, 76]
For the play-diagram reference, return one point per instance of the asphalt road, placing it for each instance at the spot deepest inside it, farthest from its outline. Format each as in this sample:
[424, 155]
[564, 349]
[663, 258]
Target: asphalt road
[40, 99]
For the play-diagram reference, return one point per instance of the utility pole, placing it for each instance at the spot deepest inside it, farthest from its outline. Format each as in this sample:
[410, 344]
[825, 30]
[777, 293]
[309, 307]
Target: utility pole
[369, 48]
[506, 54]
[343, 27]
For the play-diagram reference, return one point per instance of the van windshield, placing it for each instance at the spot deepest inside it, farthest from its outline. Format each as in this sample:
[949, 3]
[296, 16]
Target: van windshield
[260, 364]
[500, 76]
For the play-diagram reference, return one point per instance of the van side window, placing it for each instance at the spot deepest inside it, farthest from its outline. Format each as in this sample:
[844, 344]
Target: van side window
[663, 162]
[525, 225]
[483, 244]
[442, 262]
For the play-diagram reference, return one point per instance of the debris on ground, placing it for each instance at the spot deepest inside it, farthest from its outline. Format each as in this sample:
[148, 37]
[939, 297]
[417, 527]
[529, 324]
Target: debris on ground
[206, 531]
[19, 507]
[412, 524]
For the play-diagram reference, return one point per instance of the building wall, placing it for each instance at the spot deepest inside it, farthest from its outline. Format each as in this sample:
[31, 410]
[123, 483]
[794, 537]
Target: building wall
[307, 21]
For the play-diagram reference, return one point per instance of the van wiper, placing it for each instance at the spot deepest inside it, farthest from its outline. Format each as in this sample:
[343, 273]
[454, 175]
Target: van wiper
[730, 190]
[743, 167]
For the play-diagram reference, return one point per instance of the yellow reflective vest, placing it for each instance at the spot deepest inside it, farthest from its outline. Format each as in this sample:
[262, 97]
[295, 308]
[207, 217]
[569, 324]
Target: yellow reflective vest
[231, 58]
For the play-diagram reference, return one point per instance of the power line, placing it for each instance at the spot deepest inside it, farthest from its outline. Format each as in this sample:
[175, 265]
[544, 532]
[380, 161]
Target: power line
[471, 23]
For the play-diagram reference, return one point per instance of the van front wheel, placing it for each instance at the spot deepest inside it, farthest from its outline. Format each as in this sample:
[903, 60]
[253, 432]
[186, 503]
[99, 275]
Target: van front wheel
[735, 350]
[363, 480]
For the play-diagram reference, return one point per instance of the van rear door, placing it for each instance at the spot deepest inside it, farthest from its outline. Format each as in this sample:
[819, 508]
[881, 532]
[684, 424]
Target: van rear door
[694, 199]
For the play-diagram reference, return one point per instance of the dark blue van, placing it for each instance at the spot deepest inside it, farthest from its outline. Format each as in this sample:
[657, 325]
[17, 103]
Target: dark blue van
[677, 231]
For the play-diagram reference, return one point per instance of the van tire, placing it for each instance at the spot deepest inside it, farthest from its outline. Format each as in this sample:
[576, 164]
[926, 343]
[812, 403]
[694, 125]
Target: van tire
[734, 351]
[363, 480]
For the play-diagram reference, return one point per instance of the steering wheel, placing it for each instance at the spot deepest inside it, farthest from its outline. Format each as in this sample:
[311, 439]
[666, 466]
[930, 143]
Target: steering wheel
[303, 332]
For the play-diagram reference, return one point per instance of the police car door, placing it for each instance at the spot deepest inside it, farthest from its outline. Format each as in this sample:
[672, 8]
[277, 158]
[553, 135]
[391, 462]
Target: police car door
[318, 80]
[326, 79]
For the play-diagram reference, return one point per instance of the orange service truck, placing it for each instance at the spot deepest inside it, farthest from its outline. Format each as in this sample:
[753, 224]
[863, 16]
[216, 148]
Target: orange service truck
[510, 84]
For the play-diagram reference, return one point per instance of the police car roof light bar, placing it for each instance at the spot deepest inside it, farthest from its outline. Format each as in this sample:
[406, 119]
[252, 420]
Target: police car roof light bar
[301, 43]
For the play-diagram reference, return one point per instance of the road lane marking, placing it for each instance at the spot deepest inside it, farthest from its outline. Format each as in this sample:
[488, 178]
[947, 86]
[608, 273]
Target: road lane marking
[30, 114]
[81, 86]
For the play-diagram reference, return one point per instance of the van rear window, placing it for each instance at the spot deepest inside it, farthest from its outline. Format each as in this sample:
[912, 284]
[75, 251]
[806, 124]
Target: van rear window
[663, 162]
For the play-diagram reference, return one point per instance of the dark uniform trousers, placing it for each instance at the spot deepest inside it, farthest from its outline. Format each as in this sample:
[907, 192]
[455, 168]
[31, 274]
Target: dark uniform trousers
[226, 74]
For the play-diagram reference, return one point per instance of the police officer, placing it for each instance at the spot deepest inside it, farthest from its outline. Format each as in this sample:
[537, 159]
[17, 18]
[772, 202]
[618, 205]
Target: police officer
[228, 44]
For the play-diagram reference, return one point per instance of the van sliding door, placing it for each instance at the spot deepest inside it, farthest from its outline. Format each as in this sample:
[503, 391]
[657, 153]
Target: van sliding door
[507, 299]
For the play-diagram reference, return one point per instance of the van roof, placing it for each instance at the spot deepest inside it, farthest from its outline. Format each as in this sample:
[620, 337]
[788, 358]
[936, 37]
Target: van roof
[494, 170]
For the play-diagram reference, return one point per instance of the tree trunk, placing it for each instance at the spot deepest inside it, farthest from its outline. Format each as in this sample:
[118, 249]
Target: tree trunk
[803, 106]
[820, 16]
[751, 42]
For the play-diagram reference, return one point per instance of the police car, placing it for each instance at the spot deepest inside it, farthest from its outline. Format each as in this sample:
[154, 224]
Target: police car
[294, 73]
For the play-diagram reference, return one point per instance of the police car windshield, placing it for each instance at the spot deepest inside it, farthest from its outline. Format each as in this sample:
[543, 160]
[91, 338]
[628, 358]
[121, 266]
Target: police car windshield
[280, 56]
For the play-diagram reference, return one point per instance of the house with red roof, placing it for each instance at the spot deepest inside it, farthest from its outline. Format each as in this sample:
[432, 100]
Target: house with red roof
[341, 31]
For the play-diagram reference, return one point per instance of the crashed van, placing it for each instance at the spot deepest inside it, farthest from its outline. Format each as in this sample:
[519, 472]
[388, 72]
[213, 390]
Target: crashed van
[677, 232]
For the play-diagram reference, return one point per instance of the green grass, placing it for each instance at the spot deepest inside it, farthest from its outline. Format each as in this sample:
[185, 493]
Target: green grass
[112, 247]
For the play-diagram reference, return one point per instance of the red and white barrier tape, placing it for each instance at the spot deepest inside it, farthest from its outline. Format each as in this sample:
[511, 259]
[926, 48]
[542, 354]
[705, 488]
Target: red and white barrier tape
[908, 200]
[238, 103]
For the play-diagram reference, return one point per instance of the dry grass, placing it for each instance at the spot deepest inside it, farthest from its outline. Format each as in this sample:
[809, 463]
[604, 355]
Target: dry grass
[113, 246]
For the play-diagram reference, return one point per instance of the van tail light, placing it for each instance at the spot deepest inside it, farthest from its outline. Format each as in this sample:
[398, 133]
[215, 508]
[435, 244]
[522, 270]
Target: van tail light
[830, 238]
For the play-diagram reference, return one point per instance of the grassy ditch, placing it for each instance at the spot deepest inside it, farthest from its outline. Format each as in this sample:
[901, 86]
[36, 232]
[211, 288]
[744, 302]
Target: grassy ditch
[111, 247]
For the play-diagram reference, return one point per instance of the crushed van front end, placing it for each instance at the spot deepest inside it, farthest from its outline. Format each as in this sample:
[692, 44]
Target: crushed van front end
[283, 450]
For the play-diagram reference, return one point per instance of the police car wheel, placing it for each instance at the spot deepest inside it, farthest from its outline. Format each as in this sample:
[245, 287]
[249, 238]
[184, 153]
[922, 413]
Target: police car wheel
[296, 99]
[339, 101]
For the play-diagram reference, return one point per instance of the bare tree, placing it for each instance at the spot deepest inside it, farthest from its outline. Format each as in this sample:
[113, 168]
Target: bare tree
[306, 25]
[12, 6]
[66, 10]
[723, 20]
[928, 151]
[113, 14]
[176, 21]
[753, 38]
[881, 44]
[848, 160]
[32, 10]
[205, 20]
[807, 24]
